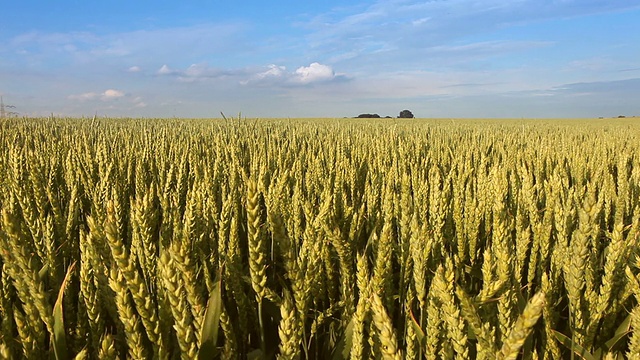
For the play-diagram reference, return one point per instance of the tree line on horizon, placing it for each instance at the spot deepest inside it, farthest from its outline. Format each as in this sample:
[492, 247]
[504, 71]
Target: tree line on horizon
[404, 114]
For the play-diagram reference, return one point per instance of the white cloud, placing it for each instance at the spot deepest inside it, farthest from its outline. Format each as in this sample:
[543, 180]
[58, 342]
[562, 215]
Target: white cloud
[278, 75]
[107, 95]
[112, 94]
[198, 72]
[420, 21]
[270, 75]
[273, 71]
[138, 103]
[314, 73]
[164, 70]
[135, 69]
[83, 97]
[273, 74]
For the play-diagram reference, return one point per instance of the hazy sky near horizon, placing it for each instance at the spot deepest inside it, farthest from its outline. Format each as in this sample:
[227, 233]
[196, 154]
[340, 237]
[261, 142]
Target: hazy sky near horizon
[446, 58]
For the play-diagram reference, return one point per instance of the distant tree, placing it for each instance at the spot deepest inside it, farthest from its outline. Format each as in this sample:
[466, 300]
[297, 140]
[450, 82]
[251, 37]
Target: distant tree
[406, 114]
[368, 116]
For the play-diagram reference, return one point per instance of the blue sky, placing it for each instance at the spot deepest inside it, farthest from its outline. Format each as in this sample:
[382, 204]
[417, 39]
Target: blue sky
[441, 58]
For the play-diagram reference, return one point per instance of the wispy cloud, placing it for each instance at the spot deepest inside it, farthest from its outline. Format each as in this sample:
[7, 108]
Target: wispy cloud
[600, 88]
[84, 96]
[630, 69]
[141, 46]
[491, 48]
[202, 72]
[165, 70]
[107, 95]
[138, 102]
[405, 28]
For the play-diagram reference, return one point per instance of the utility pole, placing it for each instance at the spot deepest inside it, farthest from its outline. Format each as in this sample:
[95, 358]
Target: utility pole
[3, 109]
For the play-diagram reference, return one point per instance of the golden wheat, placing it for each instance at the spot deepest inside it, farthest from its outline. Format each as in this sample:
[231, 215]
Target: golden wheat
[324, 238]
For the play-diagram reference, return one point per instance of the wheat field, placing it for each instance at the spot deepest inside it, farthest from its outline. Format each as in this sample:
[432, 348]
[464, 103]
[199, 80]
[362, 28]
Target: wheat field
[319, 239]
